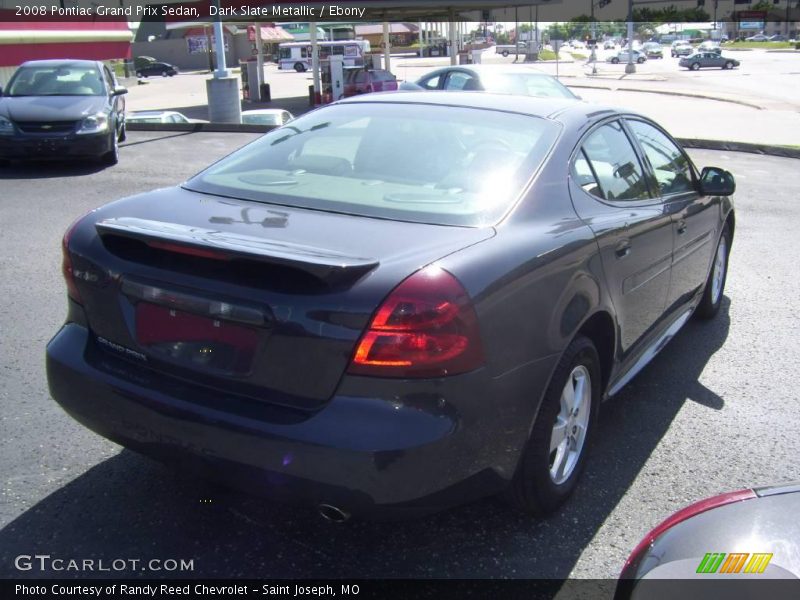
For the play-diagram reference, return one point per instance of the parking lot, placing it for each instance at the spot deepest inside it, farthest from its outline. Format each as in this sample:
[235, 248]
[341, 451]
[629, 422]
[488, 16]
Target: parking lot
[716, 411]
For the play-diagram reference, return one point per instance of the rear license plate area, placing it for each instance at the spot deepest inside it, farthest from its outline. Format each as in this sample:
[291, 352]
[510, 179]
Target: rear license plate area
[195, 341]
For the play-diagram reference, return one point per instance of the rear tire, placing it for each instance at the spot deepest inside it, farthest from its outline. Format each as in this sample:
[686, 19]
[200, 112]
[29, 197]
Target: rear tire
[139, 74]
[715, 284]
[555, 454]
[615, 61]
[505, 53]
[299, 67]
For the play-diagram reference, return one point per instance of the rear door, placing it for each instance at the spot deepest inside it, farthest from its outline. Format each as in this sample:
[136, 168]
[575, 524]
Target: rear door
[695, 218]
[611, 193]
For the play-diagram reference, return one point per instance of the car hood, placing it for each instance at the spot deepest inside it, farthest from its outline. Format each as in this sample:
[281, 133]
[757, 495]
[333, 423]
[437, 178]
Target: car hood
[50, 108]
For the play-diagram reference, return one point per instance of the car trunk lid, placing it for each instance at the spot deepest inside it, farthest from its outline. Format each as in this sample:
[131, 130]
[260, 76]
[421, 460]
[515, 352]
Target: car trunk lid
[254, 299]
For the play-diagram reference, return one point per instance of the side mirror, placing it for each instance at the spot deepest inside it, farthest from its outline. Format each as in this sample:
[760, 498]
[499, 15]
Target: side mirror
[119, 90]
[717, 182]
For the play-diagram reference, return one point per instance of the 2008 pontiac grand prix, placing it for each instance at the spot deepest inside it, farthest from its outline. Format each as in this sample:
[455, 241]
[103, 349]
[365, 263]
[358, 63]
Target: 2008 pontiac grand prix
[393, 304]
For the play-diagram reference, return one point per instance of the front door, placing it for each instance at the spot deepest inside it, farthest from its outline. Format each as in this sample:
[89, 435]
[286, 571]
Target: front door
[695, 218]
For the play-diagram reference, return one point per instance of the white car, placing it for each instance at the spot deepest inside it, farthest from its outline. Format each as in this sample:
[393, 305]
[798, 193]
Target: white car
[267, 116]
[622, 57]
[160, 116]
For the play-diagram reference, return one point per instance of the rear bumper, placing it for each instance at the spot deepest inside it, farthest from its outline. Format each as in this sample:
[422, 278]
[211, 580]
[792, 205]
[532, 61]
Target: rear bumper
[54, 147]
[378, 447]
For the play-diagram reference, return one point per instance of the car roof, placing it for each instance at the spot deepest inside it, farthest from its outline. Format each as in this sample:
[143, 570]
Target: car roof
[61, 62]
[557, 109]
[482, 69]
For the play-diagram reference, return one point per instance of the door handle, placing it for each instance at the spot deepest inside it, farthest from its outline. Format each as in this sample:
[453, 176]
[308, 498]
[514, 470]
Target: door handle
[623, 249]
[682, 227]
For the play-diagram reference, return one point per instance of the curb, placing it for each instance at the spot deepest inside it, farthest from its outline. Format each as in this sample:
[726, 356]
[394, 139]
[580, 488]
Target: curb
[722, 145]
[669, 93]
[764, 149]
[200, 127]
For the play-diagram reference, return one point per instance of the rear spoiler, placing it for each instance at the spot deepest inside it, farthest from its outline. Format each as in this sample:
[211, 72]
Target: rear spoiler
[326, 265]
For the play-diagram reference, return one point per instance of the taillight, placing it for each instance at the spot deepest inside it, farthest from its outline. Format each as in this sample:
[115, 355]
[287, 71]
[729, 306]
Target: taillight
[426, 327]
[66, 264]
[632, 564]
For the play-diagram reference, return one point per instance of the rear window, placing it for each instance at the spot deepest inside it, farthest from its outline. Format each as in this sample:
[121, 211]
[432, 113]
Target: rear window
[380, 75]
[526, 84]
[422, 163]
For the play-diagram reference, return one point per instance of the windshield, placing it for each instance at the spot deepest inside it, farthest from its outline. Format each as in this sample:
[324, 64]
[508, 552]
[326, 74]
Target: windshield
[525, 84]
[56, 81]
[423, 163]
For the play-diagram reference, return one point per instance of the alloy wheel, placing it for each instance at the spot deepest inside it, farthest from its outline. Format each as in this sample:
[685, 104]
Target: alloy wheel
[719, 270]
[570, 428]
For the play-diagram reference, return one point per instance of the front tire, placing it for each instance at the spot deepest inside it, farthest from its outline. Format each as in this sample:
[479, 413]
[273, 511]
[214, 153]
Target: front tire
[728, 65]
[555, 454]
[111, 157]
[715, 284]
[640, 60]
[615, 61]
[299, 67]
[505, 53]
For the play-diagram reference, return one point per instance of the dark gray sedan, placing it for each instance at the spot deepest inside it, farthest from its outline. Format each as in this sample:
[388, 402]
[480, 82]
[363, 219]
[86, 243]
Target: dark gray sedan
[708, 60]
[395, 303]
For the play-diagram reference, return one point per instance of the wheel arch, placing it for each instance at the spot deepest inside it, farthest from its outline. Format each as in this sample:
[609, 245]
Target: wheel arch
[601, 330]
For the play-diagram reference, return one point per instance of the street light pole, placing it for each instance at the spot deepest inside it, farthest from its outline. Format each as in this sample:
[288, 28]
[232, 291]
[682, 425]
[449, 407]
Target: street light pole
[593, 57]
[631, 66]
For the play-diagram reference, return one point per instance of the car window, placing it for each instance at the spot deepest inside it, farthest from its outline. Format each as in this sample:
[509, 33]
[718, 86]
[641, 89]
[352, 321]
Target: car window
[111, 81]
[457, 80]
[584, 176]
[526, 84]
[361, 77]
[431, 83]
[381, 75]
[615, 163]
[431, 164]
[671, 166]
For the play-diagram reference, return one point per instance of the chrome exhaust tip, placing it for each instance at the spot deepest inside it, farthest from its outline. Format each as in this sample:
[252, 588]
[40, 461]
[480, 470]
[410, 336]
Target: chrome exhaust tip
[333, 514]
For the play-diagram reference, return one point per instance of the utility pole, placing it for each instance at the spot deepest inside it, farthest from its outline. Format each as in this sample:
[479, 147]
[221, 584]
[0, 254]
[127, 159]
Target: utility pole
[716, 5]
[593, 57]
[631, 66]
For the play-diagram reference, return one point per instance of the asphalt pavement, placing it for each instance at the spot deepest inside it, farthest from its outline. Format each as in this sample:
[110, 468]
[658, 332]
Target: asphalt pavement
[716, 411]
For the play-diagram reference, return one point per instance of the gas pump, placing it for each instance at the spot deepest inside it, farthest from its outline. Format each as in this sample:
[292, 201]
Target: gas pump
[250, 88]
[332, 78]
